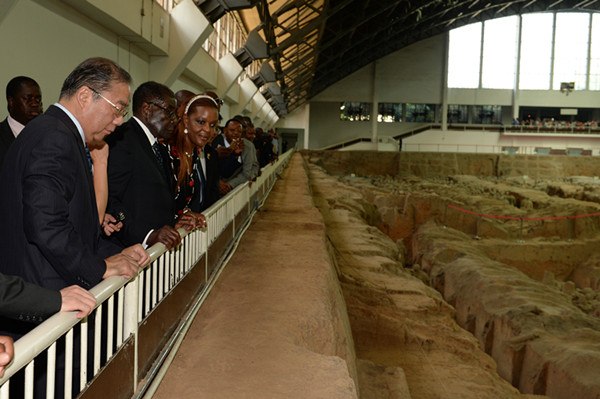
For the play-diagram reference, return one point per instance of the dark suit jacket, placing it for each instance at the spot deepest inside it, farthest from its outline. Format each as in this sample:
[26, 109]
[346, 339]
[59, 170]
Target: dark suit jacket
[227, 166]
[50, 233]
[138, 186]
[23, 301]
[211, 181]
[6, 139]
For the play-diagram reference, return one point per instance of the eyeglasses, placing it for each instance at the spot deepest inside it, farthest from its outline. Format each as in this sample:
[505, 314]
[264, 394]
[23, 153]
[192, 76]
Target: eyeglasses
[121, 111]
[172, 115]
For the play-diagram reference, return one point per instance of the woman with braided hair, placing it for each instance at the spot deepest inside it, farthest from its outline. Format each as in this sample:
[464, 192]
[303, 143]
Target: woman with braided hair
[195, 163]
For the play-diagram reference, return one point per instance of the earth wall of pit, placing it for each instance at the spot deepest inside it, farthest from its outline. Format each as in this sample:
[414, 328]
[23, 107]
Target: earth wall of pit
[432, 164]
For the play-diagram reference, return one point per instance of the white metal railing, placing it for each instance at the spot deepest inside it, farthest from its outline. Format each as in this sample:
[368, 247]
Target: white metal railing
[134, 300]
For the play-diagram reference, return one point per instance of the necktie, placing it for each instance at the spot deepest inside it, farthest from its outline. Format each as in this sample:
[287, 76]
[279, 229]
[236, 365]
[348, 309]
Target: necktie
[89, 158]
[158, 154]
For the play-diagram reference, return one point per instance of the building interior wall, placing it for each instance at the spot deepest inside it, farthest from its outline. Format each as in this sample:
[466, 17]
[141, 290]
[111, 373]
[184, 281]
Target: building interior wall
[46, 39]
[415, 74]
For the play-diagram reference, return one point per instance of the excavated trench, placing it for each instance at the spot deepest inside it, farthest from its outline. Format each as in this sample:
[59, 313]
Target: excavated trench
[465, 285]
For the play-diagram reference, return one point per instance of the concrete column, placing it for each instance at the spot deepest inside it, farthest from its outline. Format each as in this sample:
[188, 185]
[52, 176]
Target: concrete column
[515, 97]
[247, 90]
[374, 107]
[259, 102]
[306, 125]
[188, 30]
[227, 74]
[445, 84]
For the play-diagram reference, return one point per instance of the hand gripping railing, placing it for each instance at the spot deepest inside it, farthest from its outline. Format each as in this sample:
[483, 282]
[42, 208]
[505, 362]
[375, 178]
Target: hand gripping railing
[134, 299]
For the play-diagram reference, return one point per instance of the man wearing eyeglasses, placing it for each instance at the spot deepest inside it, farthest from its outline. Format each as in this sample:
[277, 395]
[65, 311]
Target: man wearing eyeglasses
[140, 177]
[50, 232]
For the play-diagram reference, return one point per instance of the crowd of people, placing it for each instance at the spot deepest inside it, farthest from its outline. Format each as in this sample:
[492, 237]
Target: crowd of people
[551, 123]
[83, 193]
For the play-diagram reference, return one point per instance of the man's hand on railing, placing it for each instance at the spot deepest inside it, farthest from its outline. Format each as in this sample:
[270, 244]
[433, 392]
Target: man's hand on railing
[6, 352]
[167, 235]
[138, 253]
[121, 265]
[75, 298]
[224, 188]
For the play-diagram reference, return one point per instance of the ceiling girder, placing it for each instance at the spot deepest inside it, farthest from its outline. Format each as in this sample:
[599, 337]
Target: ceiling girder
[314, 43]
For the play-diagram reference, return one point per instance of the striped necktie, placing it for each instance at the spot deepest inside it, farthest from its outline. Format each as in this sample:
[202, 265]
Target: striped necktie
[89, 159]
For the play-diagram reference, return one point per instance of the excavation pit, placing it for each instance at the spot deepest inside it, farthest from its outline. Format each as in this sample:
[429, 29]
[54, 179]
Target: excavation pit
[448, 261]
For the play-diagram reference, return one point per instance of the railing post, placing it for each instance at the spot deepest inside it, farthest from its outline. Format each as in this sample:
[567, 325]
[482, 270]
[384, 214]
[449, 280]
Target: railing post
[130, 324]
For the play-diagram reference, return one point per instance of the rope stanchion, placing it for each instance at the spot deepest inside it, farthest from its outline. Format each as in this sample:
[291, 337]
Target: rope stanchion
[521, 232]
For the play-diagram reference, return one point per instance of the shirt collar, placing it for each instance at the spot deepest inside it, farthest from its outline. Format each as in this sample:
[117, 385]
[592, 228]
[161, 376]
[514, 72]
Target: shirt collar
[75, 121]
[150, 136]
[15, 125]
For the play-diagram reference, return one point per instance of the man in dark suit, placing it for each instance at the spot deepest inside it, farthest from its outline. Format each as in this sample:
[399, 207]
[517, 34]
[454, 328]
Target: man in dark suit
[23, 301]
[24, 102]
[210, 170]
[50, 234]
[229, 146]
[140, 177]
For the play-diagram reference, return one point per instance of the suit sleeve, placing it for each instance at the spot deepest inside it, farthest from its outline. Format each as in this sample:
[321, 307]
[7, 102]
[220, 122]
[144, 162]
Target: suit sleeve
[24, 301]
[120, 174]
[50, 179]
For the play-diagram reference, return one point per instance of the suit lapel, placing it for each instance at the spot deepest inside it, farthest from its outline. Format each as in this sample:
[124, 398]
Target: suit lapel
[83, 162]
[146, 148]
[6, 133]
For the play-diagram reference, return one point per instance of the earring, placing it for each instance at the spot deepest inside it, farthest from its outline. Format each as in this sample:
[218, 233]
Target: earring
[185, 131]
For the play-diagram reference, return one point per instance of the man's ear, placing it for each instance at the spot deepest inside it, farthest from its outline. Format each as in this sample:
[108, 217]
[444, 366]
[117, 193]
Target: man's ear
[84, 96]
[10, 102]
[146, 112]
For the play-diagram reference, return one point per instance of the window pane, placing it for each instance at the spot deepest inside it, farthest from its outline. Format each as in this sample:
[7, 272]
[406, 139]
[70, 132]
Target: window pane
[464, 56]
[458, 113]
[355, 111]
[389, 112]
[487, 114]
[499, 53]
[420, 112]
[595, 61]
[536, 51]
[571, 49]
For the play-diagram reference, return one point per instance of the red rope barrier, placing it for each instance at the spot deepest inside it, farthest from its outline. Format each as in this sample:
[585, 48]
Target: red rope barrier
[501, 217]
[463, 210]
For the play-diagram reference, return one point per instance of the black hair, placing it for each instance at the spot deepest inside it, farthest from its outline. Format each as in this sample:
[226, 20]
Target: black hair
[149, 92]
[96, 73]
[14, 86]
[233, 120]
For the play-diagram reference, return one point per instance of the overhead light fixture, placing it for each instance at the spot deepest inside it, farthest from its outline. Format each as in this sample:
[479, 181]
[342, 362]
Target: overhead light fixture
[254, 49]
[215, 9]
[265, 75]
